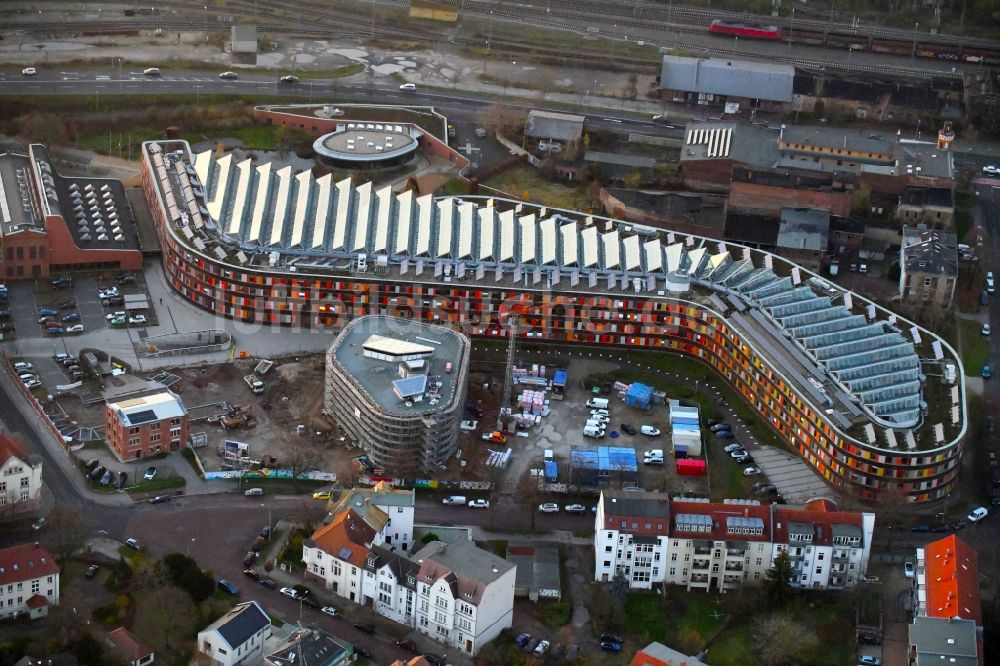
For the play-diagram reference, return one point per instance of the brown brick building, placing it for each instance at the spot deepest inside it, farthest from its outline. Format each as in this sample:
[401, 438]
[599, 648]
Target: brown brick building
[140, 427]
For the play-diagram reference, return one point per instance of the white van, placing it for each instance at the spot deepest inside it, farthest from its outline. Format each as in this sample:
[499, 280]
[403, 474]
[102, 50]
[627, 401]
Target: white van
[454, 500]
[254, 492]
[593, 431]
[408, 86]
[598, 403]
[596, 423]
[23, 365]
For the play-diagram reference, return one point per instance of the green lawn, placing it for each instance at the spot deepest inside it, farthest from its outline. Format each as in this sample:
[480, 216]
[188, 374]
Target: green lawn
[644, 618]
[975, 347]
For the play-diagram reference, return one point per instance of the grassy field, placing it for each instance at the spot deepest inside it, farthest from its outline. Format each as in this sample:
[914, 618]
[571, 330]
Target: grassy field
[526, 183]
[975, 347]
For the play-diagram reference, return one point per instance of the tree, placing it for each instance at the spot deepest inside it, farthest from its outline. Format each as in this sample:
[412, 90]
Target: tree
[88, 650]
[778, 581]
[861, 201]
[302, 457]
[781, 639]
[66, 531]
[502, 119]
[47, 128]
[167, 616]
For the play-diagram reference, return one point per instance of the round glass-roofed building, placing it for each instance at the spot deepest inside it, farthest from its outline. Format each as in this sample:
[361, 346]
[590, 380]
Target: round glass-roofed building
[366, 146]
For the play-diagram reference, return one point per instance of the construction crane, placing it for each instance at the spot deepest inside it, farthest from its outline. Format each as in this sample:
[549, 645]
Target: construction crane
[513, 321]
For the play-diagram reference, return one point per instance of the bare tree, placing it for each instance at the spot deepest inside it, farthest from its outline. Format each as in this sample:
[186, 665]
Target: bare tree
[302, 456]
[781, 639]
[66, 532]
[502, 119]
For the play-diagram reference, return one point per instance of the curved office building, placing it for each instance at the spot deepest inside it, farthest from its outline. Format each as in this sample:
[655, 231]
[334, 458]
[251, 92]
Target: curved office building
[870, 400]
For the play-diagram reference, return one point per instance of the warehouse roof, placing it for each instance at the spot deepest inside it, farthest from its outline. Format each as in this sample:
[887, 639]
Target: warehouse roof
[732, 78]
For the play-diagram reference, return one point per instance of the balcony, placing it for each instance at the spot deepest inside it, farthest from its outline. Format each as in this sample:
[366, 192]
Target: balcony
[734, 566]
[702, 550]
[701, 564]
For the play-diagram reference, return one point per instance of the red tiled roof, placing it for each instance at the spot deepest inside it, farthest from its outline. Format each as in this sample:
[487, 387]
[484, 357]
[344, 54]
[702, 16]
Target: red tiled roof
[10, 447]
[25, 561]
[122, 640]
[415, 661]
[952, 580]
[37, 601]
[719, 512]
[346, 537]
[821, 517]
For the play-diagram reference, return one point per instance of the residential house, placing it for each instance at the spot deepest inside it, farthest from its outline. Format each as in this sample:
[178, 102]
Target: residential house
[20, 479]
[311, 646]
[337, 551]
[658, 654]
[725, 81]
[29, 581]
[946, 589]
[933, 207]
[938, 640]
[465, 595]
[390, 584]
[128, 648]
[648, 538]
[237, 637]
[928, 263]
[145, 426]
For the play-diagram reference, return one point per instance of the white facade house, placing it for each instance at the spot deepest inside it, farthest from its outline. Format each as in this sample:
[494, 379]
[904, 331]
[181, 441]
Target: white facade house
[698, 544]
[29, 581]
[20, 479]
[390, 585]
[465, 595]
[237, 637]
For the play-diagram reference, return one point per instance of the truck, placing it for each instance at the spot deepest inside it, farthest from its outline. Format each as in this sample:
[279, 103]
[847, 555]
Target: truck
[255, 385]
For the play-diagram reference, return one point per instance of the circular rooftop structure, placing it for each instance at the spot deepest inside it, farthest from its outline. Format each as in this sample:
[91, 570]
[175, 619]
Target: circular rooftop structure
[359, 145]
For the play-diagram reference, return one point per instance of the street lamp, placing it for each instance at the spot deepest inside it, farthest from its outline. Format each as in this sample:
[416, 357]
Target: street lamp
[189, 546]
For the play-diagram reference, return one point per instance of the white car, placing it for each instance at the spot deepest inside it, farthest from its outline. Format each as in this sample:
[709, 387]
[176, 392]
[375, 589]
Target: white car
[137, 319]
[732, 447]
[29, 71]
[986, 329]
[114, 315]
[408, 86]
[111, 292]
[992, 170]
[549, 507]
[990, 287]
[468, 426]
[232, 76]
[75, 328]
[33, 383]
[908, 569]
[289, 78]
[540, 649]
[649, 431]
[289, 592]
[751, 471]
[977, 514]
[479, 504]
[329, 610]
[599, 412]
[151, 71]
[575, 508]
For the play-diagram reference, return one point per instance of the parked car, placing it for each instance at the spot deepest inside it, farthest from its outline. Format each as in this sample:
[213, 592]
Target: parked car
[626, 428]
[67, 305]
[108, 292]
[329, 610]
[268, 583]
[290, 592]
[39, 524]
[549, 507]
[751, 471]
[133, 543]
[868, 660]
[150, 474]
[75, 328]
[251, 574]
[610, 645]
[160, 499]
[125, 279]
[7, 327]
[725, 434]
[91, 571]
[649, 431]
[137, 319]
[228, 587]
[47, 312]
[986, 329]
[114, 315]
[522, 640]
[745, 459]
[32, 383]
[106, 477]
[977, 514]
[869, 579]
[250, 557]
[541, 648]
[717, 426]
[72, 316]
[575, 508]
[737, 453]
[766, 489]
[908, 569]
[479, 504]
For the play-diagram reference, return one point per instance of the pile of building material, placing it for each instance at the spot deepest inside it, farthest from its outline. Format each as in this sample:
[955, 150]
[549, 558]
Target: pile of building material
[639, 395]
[531, 402]
[498, 458]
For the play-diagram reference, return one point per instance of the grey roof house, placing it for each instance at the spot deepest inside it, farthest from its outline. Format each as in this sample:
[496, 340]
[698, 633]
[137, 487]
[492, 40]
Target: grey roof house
[728, 78]
[237, 637]
[554, 126]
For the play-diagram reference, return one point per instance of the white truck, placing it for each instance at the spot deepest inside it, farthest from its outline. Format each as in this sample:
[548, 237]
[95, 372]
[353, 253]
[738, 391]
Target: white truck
[255, 385]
